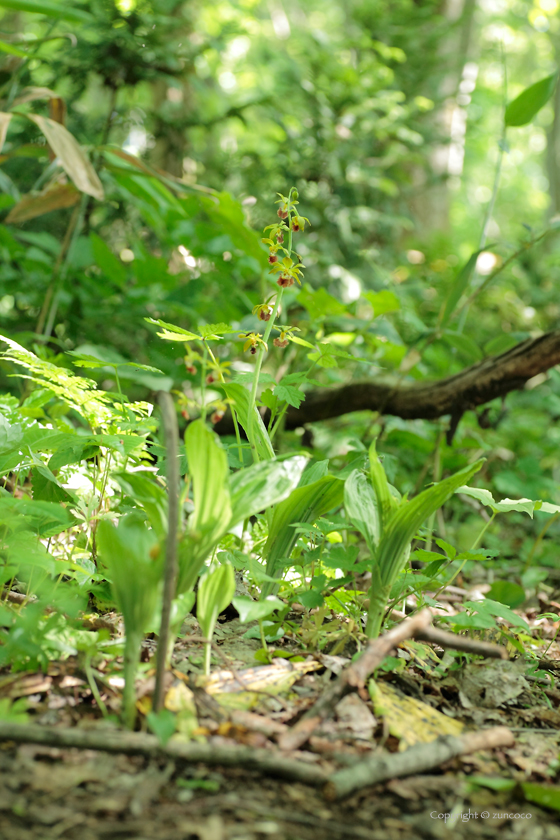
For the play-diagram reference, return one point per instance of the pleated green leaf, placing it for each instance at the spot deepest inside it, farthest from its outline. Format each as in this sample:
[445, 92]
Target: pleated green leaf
[215, 592]
[386, 502]
[305, 504]
[264, 484]
[135, 573]
[360, 504]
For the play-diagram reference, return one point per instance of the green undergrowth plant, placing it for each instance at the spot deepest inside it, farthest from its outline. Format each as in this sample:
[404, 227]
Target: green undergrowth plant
[134, 564]
[388, 524]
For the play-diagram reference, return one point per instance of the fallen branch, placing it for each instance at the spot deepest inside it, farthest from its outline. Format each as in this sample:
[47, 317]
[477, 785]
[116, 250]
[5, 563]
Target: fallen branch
[352, 678]
[416, 759]
[464, 643]
[135, 743]
[494, 377]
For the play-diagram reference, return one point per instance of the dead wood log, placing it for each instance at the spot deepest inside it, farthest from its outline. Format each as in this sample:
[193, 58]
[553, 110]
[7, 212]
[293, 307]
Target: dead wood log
[474, 386]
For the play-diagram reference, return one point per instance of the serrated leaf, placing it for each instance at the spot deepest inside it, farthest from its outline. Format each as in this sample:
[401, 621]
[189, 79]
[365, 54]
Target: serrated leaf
[268, 399]
[246, 377]
[215, 331]
[494, 608]
[290, 394]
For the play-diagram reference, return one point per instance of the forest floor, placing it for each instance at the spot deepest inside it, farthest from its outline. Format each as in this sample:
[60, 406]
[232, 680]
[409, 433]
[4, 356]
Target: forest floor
[57, 792]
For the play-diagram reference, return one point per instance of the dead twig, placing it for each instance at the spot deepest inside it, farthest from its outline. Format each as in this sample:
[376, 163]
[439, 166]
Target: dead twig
[415, 760]
[269, 762]
[464, 643]
[352, 678]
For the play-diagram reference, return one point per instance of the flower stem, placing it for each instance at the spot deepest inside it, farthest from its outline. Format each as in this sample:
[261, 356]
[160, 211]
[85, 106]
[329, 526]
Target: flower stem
[203, 381]
[257, 373]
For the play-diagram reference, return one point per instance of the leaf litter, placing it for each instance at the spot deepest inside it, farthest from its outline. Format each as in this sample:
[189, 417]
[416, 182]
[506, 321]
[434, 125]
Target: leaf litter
[48, 792]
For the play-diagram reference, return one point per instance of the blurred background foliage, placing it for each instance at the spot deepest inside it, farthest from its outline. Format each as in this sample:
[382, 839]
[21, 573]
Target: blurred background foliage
[387, 118]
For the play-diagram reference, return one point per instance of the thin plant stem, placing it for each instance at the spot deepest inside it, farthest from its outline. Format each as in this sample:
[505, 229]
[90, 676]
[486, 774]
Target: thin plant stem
[502, 147]
[58, 281]
[170, 575]
[475, 544]
[207, 656]
[93, 687]
[262, 634]
[437, 476]
[264, 346]
[539, 539]
[203, 381]
[31, 54]
[284, 410]
[119, 389]
[233, 412]
[97, 512]
[257, 373]
[64, 248]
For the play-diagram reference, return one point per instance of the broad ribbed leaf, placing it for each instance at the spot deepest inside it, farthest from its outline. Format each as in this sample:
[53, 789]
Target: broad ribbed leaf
[135, 574]
[262, 485]
[209, 472]
[386, 502]
[409, 516]
[215, 592]
[306, 504]
[360, 505]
